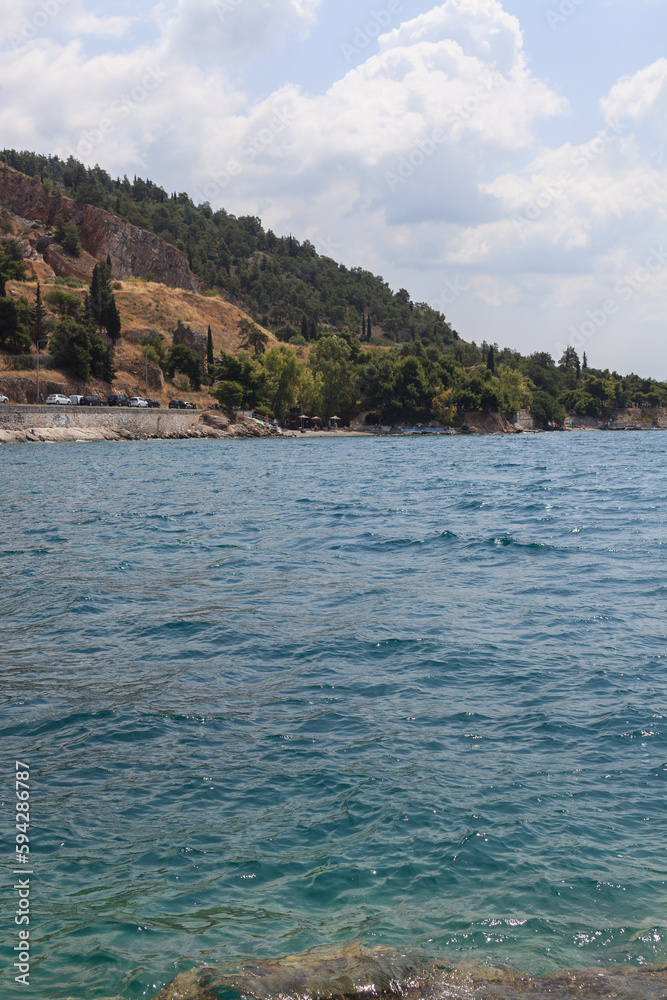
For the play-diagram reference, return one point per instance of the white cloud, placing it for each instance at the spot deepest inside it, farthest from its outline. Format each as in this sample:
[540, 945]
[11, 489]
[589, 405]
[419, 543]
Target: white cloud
[104, 27]
[638, 95]
[421, 163]
[239, 30]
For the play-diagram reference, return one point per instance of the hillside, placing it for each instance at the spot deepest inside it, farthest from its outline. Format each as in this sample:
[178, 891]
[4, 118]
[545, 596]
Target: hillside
[145, 307]
[355, 346]
[278, 280]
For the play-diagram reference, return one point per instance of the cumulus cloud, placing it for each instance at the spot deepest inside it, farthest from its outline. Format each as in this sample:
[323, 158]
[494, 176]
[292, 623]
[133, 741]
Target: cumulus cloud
[638, 95]
[402, 136]
[236, 29]
[422, 163]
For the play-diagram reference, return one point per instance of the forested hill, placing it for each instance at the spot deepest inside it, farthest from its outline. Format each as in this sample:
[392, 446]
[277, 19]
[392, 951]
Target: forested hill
[283, 282]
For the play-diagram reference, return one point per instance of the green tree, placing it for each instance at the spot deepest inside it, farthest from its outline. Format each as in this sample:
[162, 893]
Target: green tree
[413, 393]
[185, 359]
[78, 348]
[67, 234]
[330, 358]
[513, 391]
[252, 338]
[15, 325]
[152, 347]
[64, 303]
[228, 393]
[100, 295]
[38, 327]
[11, 264]
[113, 323]
[209, 348]
[282, 384]
[545, 408]
[443, 407]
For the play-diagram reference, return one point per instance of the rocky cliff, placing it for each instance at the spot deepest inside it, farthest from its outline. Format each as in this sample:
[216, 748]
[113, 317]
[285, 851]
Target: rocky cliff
[133, 251]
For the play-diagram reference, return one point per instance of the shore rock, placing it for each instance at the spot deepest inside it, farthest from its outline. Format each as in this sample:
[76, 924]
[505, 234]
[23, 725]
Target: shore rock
[355, 973]
[349, 972]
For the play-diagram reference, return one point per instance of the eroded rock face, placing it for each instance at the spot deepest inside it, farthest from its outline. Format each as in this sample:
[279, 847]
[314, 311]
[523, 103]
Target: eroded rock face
[133, 251]
[190, 338]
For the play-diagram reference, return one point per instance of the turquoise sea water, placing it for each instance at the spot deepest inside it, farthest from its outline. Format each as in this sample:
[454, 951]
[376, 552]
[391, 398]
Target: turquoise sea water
[279, 695]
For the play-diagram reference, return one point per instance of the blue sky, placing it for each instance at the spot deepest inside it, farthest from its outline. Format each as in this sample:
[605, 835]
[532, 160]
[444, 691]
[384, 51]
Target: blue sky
[500, 159]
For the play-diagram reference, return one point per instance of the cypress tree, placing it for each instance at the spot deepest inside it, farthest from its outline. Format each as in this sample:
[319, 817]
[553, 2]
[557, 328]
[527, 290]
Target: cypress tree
[312, 330]
[363, 326]
[304, 327]
[100, 302]
[491, 360]
[584, 363]
[113, 321]
[39, 315]
[209, 348]
[368, 337]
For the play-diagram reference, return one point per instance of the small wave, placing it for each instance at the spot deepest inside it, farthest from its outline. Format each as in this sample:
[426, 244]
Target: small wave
[506, 541]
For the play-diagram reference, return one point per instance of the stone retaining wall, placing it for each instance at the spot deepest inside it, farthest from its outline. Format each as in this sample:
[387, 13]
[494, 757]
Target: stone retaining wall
[117, 419]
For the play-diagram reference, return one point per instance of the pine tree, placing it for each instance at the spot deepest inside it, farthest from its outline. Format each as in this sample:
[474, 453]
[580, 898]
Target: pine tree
[209, 348]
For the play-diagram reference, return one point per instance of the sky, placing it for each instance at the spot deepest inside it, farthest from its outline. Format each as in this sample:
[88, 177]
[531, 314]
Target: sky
[502, 160]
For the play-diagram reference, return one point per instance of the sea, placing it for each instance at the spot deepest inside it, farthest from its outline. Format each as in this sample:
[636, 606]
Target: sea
[273, 696]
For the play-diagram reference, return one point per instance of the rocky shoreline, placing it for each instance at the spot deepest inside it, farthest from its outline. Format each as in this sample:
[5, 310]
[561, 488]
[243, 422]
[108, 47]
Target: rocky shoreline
[22, 423]
[51, 425]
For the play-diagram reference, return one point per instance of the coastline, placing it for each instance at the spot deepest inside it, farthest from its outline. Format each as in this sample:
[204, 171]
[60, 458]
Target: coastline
[24, 422]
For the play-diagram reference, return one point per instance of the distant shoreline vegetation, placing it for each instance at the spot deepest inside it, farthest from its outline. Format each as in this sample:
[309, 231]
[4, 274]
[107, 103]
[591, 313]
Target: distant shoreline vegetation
[349, 344]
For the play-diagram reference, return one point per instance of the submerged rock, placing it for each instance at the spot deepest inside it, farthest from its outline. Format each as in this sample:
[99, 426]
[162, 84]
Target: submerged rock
[348, 972]
[354, 973]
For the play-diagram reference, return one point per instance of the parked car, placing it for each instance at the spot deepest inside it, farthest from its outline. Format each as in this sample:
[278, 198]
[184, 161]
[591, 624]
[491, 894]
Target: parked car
[91, 401]
[118, 400]
[138, 401]
[187, 405]
[59, 400]
[4, 399]
[153, 403]
[75, 400]
[176, 404]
